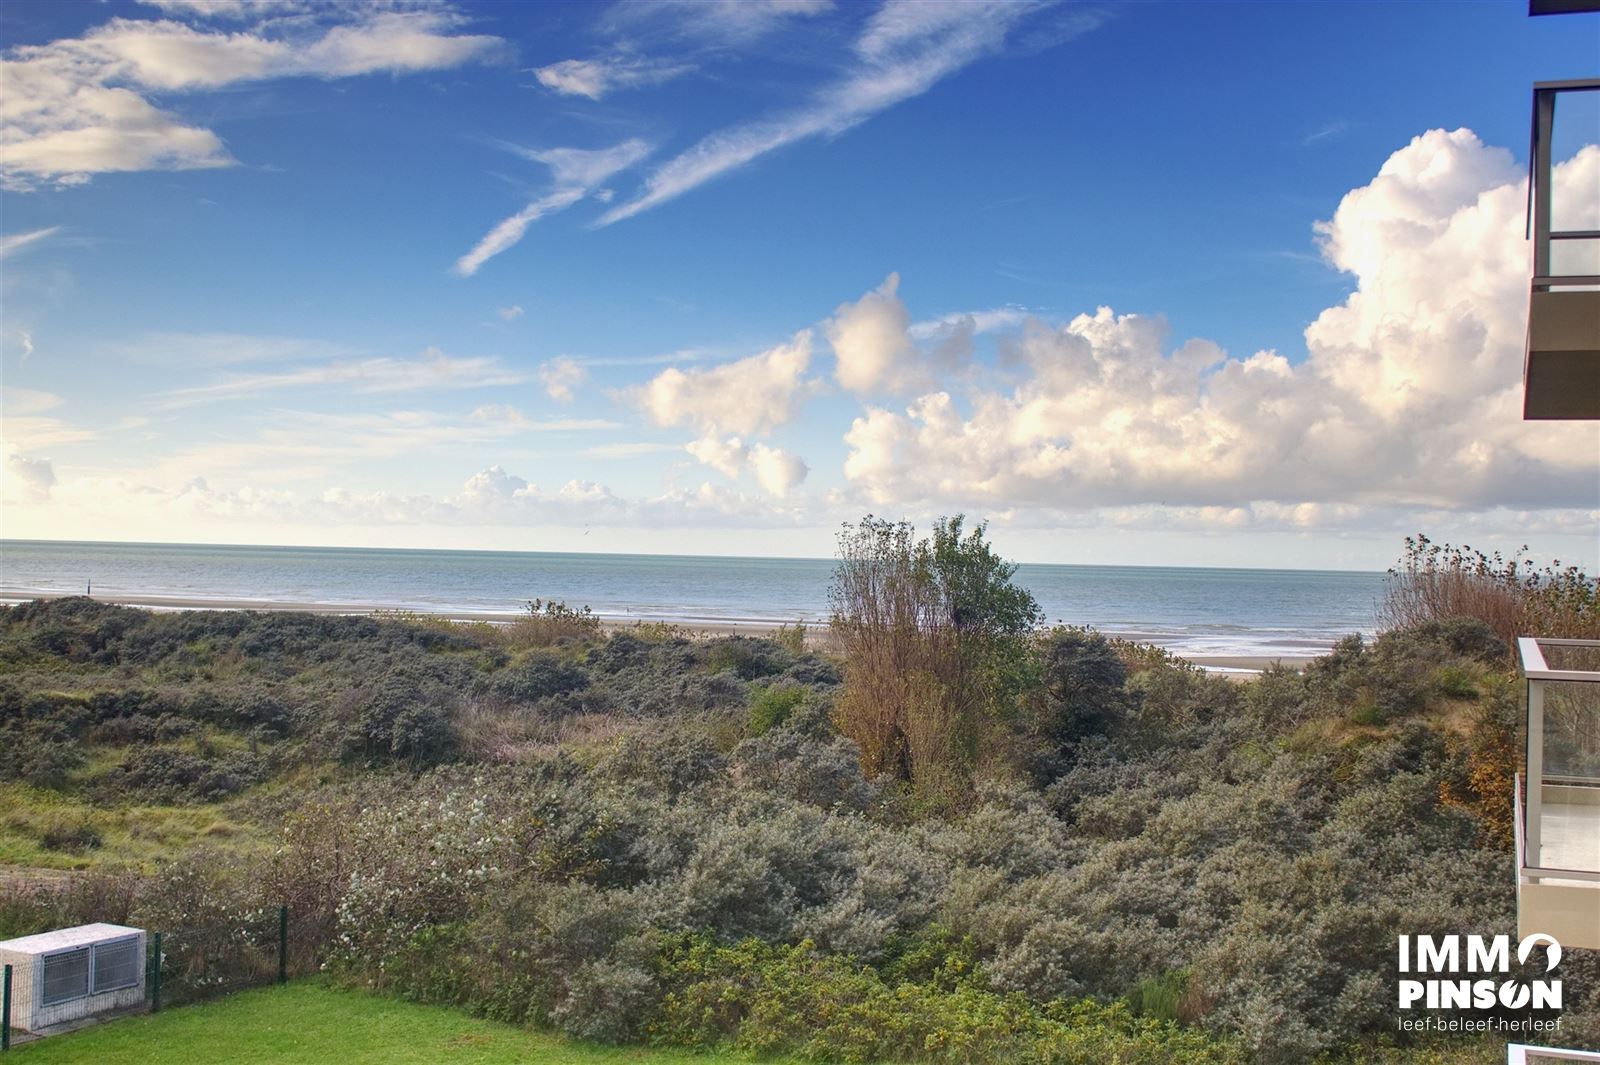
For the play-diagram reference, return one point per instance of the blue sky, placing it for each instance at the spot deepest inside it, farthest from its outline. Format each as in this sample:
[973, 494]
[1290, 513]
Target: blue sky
[263, 279]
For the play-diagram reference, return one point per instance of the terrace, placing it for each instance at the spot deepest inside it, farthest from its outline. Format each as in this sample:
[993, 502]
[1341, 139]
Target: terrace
[1558, 813]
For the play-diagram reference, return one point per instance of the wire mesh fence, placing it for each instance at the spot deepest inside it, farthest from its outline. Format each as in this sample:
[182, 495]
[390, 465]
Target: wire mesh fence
[62, 979]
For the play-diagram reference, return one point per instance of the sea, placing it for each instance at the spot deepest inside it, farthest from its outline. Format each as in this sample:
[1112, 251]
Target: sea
[1193, 611]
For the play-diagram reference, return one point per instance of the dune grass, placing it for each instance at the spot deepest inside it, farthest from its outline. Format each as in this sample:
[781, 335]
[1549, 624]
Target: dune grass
[48, 829]
[309, 1023]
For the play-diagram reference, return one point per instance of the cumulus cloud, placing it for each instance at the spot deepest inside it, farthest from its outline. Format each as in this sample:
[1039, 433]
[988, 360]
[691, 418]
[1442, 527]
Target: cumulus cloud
[597, 78]
[879, 350]
[560, 376]
[725, 455]
[872, 344]
[777, 470]
[1410, 395]
[75, 107]
[747, 396]
[577, 172]
[905, 49]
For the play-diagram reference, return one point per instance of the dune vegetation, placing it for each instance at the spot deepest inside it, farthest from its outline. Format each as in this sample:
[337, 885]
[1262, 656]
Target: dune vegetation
[960, 837]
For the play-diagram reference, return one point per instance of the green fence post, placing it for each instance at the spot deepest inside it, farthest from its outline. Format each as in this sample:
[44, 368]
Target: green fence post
[155, 980]
[283, 944]
[5, 1013]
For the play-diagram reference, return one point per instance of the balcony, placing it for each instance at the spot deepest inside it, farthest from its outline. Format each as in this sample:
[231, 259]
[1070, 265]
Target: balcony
[1561, 373]
[1558, 814]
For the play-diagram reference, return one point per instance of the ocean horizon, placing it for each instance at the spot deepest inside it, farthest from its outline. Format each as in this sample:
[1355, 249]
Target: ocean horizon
[1191, 610]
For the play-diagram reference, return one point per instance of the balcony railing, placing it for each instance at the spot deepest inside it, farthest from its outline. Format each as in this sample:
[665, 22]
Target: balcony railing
[1558, 812]
[1561, 375]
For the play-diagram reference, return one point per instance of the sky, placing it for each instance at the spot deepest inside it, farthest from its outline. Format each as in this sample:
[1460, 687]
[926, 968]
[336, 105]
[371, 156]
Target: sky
[1195, 284]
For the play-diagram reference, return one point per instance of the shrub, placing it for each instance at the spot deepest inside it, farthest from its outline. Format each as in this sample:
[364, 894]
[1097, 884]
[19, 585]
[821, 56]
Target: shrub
[74, 836]
[541, 677]
[771, 706]
[934, 636]
[546, 624]
[786, 762]
[1080, 696]
[1511, 596]
[168, 774]
[746, 658]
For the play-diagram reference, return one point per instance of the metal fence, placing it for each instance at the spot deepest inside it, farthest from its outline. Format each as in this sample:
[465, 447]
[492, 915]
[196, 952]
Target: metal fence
[77, 978]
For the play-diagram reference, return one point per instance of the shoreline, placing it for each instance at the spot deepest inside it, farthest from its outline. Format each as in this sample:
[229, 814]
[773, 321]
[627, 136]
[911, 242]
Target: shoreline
[1234, 666]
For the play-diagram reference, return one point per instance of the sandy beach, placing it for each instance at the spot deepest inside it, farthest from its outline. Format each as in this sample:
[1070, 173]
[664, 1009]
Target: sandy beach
[1234, 666]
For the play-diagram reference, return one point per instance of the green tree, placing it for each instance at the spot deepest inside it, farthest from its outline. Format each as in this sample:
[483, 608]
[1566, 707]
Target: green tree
[936, 640]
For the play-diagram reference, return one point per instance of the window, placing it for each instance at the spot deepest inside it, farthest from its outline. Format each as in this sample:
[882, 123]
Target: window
[66, 976]
[116, 965]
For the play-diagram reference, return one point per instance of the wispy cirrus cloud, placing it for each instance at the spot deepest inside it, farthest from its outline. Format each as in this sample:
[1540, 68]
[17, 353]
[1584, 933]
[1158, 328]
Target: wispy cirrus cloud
[577, 172]
[433, 370]
[195, 350]
[15, 242]
[1327, 131]
[714, 22]
[904, 50]
[599, 77]
[77, 107]
[231, 10]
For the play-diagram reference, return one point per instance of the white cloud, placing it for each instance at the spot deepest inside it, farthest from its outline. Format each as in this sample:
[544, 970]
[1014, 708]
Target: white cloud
[726, 456]
[714, 22]
[577, 172]
[26, 479]
[778, 471]
[872, 344]
[560, 376]
[629, 449]
[73, 108]
[20, 401]
[194, 350]
[501, 414]
[432, 370]
[510, 314]
[747, 396]
[495, 485]
[991, 320]
[16, 242]
[596, 78]
[40, 504]
[1410, 396]
[236, 10]
[906, 48]
[24, 426]
[875, 344]
[510, 230]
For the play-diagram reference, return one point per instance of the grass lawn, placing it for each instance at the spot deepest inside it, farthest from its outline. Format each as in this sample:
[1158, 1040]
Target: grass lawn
[311, 1023]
